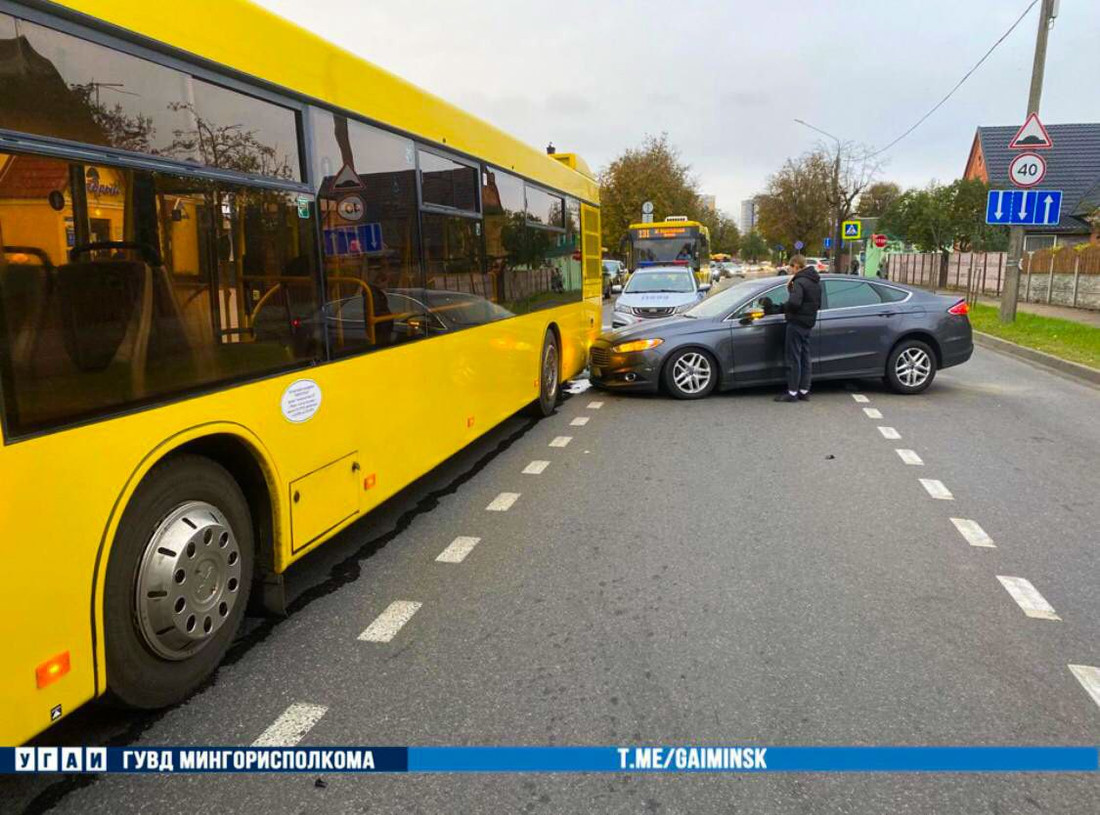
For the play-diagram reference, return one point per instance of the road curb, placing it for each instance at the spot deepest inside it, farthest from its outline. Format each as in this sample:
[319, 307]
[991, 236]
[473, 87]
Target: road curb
[1063, 366]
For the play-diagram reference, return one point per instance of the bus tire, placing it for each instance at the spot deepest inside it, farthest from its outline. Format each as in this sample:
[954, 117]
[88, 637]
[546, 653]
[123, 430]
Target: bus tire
[177, 582]
[549, 376]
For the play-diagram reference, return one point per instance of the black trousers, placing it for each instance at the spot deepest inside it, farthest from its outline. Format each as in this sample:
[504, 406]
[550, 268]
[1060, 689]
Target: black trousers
[799, 367]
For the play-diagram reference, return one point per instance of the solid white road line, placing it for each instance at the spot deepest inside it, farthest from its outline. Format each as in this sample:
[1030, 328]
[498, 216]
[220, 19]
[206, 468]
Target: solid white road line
[561, 441]
[859, 397]
[1028, 598]
[889, 433]
[873, 413]
[974, 534]
[459, 548]
[288, 729]
[535, 467]
[909, 456]
[1089, 677]
[503, 502]
[580, 421]
[389, 622]
[595, 405]
[936, 489]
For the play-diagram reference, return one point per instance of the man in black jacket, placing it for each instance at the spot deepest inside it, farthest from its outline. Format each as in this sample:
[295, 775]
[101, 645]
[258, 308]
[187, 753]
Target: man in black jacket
[801, 312]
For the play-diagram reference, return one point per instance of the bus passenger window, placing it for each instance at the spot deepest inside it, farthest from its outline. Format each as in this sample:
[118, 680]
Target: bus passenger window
[367, 205]
[125, 287]
[458, 291]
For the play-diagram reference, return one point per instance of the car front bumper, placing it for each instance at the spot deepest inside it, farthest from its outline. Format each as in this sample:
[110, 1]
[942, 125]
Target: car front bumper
[636, 371]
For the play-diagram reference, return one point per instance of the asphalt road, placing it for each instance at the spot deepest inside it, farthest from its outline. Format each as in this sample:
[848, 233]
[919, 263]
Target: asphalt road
[717, 572]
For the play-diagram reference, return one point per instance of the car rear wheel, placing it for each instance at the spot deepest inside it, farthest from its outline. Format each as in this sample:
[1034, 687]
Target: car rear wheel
[177, 582]
[690, 374]
[911, 367]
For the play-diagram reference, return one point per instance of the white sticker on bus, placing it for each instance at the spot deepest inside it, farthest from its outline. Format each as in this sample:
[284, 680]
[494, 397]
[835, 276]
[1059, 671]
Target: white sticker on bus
[301, 400]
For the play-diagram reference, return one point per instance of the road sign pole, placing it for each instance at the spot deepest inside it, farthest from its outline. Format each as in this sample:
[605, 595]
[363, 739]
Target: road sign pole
[1016, 233]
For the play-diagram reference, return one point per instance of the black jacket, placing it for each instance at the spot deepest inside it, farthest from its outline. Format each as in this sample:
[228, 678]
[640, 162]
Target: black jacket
[805, 299]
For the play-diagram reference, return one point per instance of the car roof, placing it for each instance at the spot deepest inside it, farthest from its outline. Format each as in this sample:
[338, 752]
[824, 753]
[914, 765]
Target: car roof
[645, 269]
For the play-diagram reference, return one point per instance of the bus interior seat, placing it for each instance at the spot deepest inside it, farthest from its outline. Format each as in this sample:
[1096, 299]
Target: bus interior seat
[26, 282]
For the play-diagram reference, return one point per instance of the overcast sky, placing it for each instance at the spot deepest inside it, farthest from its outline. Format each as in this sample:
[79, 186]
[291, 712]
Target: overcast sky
[724, 78]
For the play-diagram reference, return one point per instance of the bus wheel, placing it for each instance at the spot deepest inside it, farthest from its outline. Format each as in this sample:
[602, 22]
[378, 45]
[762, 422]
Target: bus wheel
[177, 582]
[549, 376]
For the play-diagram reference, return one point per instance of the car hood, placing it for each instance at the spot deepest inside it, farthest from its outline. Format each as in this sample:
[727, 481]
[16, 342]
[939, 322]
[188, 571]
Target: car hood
[664, 328]
[657, 299]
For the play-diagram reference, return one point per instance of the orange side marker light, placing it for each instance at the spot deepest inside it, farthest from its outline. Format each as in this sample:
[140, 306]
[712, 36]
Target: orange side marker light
[469, 421]
[368, 482]
[52, 669]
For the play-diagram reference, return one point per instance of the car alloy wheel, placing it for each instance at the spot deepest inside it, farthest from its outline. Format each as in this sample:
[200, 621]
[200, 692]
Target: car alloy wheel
[913, 367]
[692, 373]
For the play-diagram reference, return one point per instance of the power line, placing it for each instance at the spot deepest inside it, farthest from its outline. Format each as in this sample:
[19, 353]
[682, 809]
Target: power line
[958, 84]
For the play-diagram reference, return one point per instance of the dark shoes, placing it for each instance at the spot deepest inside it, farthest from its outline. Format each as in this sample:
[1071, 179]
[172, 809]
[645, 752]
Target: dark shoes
[786, 397]
[803, 397]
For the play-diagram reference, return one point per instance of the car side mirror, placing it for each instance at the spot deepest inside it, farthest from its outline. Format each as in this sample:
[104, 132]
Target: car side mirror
[616, 289]
[704, 287]
[751, 316]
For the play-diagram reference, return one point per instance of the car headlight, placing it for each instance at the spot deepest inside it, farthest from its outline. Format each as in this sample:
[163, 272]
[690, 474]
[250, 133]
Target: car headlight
[635, 345]
[619, 307]
[682, 308]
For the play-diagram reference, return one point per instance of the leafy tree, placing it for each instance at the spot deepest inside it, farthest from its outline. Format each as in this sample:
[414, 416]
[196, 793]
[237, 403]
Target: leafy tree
[724, 234]
[651, 172]
[940, 217]
[795, 205]
[877, 198]
[753, 247]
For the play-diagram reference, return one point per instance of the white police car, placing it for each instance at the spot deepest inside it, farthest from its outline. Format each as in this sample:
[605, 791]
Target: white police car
[656, 291]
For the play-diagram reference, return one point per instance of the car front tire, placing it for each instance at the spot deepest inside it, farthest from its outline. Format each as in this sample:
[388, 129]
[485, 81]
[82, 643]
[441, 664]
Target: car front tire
[911, 367]
[690, 373]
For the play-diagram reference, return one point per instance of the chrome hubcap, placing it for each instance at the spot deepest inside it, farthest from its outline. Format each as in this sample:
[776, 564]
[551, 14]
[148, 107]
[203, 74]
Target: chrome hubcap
[188, 581]
[691, 372]
[550, 372]
[913, 367]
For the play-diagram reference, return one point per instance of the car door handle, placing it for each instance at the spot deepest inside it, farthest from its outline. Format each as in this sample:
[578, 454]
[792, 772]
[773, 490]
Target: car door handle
[887, 313]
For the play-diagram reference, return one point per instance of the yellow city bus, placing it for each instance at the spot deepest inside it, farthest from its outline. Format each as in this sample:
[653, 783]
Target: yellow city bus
[673, 241]
[251, 286]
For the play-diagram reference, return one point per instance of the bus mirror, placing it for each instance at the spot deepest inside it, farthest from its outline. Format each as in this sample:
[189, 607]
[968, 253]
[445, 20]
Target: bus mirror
[616, 289]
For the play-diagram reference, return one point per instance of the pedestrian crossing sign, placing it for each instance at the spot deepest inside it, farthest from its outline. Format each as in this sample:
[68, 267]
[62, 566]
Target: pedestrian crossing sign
[853, 230]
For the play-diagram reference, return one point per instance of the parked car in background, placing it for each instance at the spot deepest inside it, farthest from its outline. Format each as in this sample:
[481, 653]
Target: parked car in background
[735, 339]
[656, 291]
[611, 276]
[821, 264]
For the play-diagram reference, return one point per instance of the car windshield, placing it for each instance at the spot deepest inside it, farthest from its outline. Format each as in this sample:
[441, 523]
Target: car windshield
[723, 301]
[673, 281]
[611, 266]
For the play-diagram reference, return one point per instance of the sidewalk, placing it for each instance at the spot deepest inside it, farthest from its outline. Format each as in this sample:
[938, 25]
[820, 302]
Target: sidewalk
[1075, 315]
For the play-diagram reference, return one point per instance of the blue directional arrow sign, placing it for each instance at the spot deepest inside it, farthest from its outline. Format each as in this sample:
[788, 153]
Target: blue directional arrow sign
[828, 243]
[1024, 207]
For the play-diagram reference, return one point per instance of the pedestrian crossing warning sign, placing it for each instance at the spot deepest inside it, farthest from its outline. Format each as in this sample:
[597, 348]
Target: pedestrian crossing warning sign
[1031, 136]
[853, 230]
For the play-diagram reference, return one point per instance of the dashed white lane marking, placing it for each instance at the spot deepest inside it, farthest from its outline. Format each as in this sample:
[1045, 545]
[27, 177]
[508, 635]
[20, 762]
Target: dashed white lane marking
[503, 502]
[561, 441]
[291, 727]
[535, 467]
[459, 548]
[889, 433]
[389, 622]
[974, 534]
[859, 397]
[1028, 598]
[1089, 677]
[873, 413]
[580, 421]
[909, 457]
[595, 405]
[936, 489]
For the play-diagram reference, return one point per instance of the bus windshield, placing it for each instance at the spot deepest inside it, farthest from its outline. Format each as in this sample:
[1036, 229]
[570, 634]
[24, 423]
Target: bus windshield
[664, 250]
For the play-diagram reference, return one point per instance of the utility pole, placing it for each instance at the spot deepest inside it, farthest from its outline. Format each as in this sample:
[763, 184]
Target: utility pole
[1011, 293]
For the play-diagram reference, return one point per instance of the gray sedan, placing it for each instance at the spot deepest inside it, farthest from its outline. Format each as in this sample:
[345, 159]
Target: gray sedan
[735, 339]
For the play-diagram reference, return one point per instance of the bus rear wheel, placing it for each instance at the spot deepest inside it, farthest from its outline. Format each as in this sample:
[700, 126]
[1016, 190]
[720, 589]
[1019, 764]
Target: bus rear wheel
[549, 376]
[177, 583]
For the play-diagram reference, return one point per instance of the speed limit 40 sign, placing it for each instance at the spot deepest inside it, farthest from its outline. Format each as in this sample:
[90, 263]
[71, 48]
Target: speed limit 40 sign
[1027, 169]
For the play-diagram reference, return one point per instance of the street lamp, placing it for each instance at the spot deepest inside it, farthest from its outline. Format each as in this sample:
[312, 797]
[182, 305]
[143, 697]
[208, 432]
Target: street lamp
[837, 237]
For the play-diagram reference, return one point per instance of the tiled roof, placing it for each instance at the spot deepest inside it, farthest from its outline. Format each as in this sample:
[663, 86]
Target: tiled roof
[33, 177]
[1073, 165]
